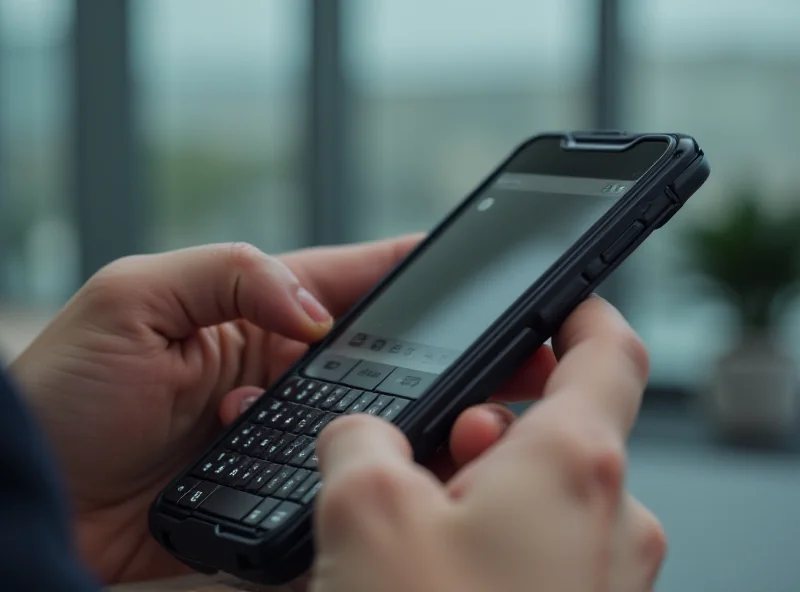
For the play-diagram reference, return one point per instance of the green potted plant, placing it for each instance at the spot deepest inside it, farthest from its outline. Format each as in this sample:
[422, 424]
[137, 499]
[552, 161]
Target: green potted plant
[751, 257]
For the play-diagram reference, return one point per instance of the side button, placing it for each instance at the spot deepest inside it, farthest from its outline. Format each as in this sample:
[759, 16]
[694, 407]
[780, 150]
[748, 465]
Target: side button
[563, 301]
[692, 178]
[623, 242]
[666, 216]
[657, 208]
[595, 269]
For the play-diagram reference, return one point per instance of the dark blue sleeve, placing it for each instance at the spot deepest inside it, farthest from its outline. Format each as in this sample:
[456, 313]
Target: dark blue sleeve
[36, 551]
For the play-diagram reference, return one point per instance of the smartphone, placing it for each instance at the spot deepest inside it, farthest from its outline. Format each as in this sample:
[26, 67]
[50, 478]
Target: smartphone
[489, 284]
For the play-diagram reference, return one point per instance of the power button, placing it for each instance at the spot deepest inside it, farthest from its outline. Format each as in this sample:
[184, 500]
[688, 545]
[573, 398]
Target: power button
[623, 242]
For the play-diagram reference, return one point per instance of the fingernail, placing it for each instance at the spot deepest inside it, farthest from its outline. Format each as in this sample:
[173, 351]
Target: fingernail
[502, 419]
[247, 402]
[312, 307]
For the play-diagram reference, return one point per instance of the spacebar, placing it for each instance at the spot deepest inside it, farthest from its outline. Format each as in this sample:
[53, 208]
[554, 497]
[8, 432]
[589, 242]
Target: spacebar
[229, 503]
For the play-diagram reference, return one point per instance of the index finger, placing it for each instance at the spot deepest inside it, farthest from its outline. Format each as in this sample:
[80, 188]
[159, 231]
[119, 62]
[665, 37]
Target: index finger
[603, 367]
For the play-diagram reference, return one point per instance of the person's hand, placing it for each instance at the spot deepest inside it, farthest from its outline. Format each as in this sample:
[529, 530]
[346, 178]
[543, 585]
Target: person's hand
[157, 353]
[544, 509]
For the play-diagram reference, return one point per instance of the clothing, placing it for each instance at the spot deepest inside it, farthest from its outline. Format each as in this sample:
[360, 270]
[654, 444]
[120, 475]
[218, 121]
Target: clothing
[36, 550]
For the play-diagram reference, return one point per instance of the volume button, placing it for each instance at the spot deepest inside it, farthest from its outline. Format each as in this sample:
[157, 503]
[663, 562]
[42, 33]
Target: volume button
[656, 209]
[563, 301]
[623, 242]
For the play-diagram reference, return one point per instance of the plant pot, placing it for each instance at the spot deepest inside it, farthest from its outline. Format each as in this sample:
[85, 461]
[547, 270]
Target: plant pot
[754, 391]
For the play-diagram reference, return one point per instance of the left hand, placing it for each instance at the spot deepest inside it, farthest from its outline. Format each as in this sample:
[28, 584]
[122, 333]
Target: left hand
[158, 353]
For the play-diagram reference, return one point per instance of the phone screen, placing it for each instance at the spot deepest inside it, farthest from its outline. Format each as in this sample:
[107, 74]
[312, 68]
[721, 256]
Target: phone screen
[507, 236]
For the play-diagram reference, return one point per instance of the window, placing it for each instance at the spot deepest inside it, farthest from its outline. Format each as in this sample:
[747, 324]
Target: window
[38, 246]
[441, 94]
[729, 74]
[221, 119]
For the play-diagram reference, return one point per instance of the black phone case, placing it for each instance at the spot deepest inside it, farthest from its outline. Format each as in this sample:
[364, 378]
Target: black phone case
[210, 545]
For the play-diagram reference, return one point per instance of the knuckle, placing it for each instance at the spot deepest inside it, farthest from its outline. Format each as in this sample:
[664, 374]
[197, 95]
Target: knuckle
[359, 494]
[637, 351]
[112, 282]
[338, 426]
[245, 257]
[652, 544]
[592, 461]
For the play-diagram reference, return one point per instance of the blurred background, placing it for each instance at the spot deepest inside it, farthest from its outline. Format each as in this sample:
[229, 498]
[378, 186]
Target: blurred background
[137, 127]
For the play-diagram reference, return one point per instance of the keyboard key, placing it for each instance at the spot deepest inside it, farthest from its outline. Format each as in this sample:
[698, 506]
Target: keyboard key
[250, 443]
[261, 415]
[301, 490]
[345, 402]
[316, 398]
[253, 469]
[311, 492]
[263, 436]
[280, 515]
[393, 409]
[277, 481]
[287, 452]
[235, 441]
[293, 414]
[229, 503]
[198, 495]
[312, 385]
[270, 408]
[276, 420]
[312, 462]
[301, 414]
[378, 405]
[262, 478]
[206, 468]
[290, 388]
[222, 467]
[407, 383]
[261, 511]
[317, 426]
[218, 456]
[362, 404]
[316, 394]
[301, 457]
[233, 472]
[179, 489]
[367, 375]
[303, 396]
[333, 397]
[330, 367]
[275, 447]
[309, 416]
[289, 485]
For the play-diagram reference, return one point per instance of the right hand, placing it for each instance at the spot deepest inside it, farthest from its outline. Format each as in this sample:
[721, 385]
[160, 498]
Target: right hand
[544, 509]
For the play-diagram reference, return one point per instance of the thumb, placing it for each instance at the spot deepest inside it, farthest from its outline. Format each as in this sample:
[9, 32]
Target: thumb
[202, 286]
[360, 440]
[237, 402]
[370, 483]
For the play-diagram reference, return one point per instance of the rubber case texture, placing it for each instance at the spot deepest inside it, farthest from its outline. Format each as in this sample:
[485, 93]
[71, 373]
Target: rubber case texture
[208, 545]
